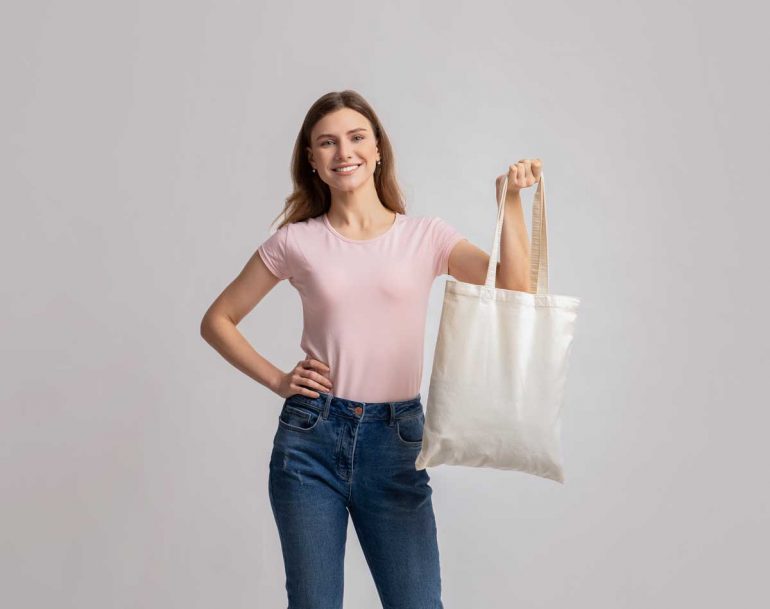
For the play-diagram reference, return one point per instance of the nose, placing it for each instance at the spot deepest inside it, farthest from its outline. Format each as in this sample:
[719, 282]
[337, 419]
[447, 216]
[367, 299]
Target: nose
[343, 152]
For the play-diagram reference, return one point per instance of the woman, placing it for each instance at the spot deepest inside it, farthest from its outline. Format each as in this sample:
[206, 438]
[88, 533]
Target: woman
[351, 424]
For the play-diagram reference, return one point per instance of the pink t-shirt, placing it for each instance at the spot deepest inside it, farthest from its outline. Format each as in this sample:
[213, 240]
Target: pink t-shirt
[364, 302]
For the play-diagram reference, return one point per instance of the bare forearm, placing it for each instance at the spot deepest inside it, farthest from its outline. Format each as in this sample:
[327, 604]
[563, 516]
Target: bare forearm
[222, 334]
[513, 268]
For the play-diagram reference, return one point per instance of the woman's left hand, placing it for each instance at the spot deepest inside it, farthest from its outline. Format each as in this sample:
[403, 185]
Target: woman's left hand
[523, 174]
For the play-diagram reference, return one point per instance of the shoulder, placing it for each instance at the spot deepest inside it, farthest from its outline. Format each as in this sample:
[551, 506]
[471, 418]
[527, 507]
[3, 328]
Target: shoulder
[291, 230]
[280, 251]
[302, 228]
[417, 223]
[440, 228]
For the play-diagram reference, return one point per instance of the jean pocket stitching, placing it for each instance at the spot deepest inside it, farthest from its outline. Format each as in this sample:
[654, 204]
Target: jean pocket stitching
[301, 413]
[398, 430]
[298, 412]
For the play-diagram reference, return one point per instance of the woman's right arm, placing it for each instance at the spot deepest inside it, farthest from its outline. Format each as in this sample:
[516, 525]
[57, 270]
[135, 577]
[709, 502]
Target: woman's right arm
[218, 328]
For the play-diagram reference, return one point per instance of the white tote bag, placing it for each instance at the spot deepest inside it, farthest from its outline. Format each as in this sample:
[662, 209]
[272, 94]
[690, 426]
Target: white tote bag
[499, 368]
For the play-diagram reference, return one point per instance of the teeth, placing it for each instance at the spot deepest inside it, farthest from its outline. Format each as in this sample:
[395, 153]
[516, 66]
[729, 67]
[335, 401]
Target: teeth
[347, 169]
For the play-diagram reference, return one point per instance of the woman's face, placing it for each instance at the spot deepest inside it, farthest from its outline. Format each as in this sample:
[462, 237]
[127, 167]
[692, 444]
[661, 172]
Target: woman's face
[343, 137]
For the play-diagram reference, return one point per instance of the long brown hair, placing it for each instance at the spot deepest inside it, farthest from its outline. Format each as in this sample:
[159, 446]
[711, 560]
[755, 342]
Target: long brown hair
[312, 196]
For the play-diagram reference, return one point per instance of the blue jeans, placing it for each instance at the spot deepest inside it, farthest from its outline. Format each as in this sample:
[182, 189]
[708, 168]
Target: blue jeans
[332, 456]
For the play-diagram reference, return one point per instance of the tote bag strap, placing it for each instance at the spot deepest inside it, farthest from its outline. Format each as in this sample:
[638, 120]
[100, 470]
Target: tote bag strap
[538, 268]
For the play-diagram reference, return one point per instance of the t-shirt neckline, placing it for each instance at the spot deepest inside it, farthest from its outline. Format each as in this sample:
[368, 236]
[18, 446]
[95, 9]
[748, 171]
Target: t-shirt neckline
[344, 238]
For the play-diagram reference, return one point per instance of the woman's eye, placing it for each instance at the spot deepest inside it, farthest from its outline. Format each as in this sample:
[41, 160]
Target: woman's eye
[332, 141]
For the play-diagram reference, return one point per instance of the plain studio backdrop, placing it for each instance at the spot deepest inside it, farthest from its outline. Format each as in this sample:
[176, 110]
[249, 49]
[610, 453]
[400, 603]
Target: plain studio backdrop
[145, 150]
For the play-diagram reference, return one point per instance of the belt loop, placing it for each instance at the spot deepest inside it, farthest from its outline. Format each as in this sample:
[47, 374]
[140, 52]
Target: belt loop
[326, 406]
[392, 418]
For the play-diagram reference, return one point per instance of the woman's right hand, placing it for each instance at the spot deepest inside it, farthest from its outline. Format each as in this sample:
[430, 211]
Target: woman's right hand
[307, 375]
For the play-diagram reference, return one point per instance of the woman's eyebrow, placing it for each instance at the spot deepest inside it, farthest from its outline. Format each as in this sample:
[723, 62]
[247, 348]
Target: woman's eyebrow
[331, 135]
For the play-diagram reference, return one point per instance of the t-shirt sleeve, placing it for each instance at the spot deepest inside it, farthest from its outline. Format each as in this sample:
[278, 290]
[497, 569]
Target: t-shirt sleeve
[274, 252]
[443, 237]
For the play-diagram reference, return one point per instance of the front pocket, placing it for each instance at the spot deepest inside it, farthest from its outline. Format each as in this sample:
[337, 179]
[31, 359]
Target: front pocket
[298, 417]
[409, 430]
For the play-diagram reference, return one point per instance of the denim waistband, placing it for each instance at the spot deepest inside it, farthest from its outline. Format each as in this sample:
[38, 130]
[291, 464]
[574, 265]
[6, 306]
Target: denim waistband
[328, 402]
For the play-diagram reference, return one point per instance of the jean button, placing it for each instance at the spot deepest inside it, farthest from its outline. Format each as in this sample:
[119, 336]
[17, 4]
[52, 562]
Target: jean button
[358, 410]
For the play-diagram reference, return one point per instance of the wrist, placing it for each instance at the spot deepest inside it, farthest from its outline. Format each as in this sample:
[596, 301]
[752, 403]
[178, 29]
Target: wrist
[274, 383]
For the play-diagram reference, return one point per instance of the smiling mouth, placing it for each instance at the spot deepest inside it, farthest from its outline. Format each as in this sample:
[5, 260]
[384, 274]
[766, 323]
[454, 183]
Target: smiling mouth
[347, 170]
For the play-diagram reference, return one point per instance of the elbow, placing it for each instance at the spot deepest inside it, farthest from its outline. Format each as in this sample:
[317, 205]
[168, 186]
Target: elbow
[211, 325]
[208, 326]
[205, 328]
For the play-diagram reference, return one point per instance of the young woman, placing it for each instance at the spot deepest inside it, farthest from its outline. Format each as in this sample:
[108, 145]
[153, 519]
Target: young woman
[350, 427]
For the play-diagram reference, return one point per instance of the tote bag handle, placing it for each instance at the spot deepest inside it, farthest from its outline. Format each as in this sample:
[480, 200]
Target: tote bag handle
[538, 269]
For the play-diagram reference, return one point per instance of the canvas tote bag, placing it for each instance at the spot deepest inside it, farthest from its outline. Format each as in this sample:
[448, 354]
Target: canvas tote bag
[500, 366]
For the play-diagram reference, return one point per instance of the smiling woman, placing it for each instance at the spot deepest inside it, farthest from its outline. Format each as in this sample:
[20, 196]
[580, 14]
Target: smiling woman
[363, 268]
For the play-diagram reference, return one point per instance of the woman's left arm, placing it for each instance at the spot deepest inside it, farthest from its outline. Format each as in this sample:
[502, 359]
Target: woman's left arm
[468, 263]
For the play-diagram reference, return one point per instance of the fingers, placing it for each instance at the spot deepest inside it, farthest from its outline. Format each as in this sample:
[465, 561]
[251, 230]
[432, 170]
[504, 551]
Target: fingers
[524, 173]
[537, 168]
[306, 375]
[526, 164]
[513, 171]
[305, 388]
[309, 362]
[316, 379]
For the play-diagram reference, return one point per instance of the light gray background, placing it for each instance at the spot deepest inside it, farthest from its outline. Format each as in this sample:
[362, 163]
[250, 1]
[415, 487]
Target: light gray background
[145, 150]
